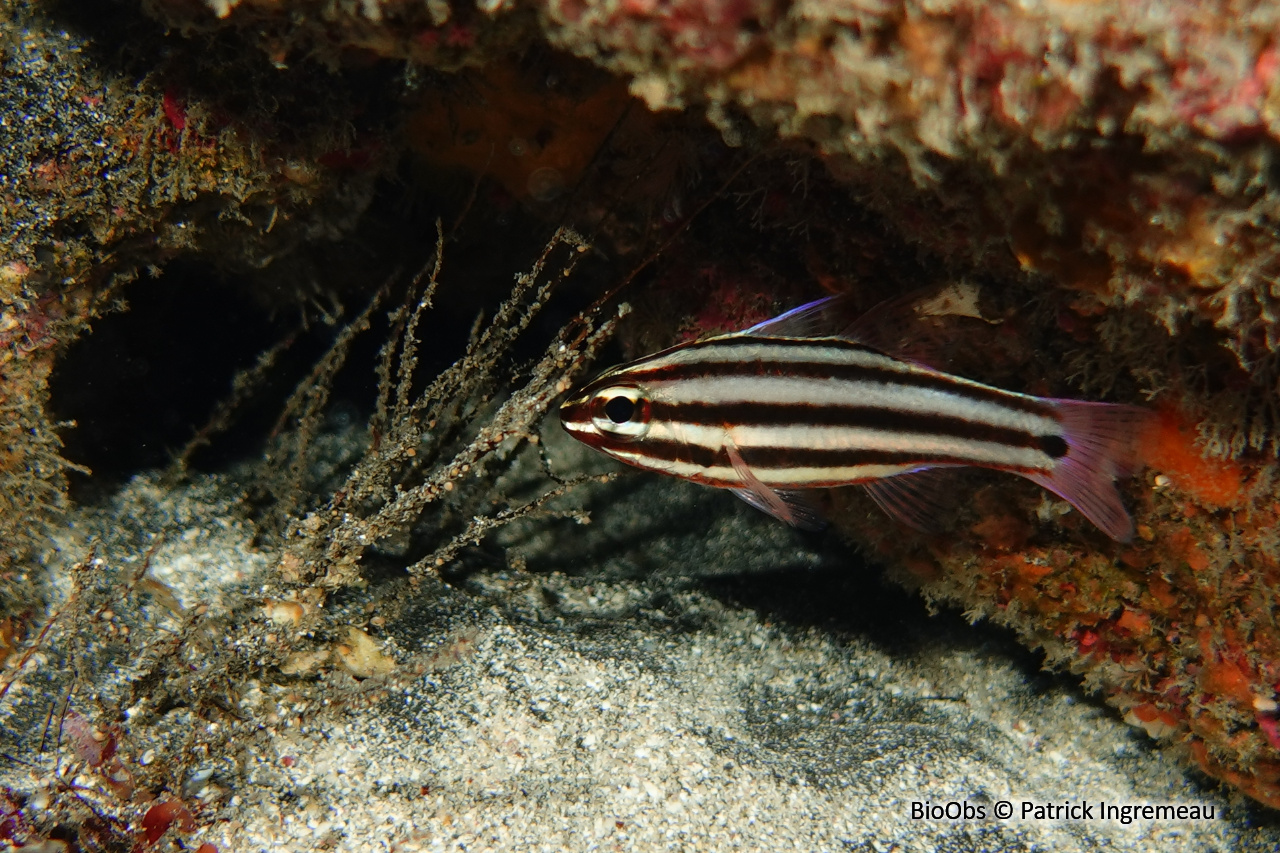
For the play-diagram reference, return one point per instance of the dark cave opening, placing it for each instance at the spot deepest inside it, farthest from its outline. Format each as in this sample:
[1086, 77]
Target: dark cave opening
[143, 380]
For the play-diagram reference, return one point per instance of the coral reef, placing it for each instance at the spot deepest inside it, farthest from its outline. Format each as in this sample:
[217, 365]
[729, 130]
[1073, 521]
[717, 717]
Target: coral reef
[1106, 171]
[1123, 155]
[1177, 629]
[437, 33]
[112, 166]
[1124, 150]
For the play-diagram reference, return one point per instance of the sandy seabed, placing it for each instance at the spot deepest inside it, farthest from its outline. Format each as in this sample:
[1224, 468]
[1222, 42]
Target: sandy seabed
[682, 673]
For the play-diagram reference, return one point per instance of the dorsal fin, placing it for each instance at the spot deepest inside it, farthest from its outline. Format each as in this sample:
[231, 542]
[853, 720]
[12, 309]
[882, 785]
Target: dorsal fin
[907, 327]
[814, 320]
[914, 326]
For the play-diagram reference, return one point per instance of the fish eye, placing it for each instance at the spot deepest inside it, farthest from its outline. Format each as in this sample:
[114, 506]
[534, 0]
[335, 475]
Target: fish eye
[620, 409]
[620, 412]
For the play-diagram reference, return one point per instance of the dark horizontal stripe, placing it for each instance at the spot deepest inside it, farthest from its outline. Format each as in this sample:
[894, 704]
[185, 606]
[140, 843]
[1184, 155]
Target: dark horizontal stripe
[652, 366]
[724, 341]
[638, 373]
[870, 417]
[782, 343]
[774, 458]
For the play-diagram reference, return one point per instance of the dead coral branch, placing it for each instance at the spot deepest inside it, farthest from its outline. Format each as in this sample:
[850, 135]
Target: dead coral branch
[432, 451]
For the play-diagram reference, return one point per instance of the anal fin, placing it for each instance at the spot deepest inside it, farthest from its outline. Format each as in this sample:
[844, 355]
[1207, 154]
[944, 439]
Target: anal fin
[915, 498]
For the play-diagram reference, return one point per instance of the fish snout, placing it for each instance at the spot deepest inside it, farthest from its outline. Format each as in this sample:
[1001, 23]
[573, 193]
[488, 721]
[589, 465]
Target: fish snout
[575, 419]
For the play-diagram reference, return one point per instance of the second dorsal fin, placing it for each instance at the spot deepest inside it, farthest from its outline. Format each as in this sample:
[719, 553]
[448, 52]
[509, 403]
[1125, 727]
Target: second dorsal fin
[909, 327]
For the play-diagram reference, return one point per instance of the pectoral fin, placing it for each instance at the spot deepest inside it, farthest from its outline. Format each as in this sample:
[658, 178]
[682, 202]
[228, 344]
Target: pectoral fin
[793, 507]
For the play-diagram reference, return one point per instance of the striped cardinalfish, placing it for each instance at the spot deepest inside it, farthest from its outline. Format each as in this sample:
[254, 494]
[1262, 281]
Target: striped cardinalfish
[782, 407]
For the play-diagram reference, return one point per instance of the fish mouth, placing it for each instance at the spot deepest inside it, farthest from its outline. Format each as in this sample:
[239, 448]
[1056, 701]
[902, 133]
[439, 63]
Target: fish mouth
[575, 420]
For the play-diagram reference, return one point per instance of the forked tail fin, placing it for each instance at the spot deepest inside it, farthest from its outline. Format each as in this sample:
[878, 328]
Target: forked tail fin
[1103, 444]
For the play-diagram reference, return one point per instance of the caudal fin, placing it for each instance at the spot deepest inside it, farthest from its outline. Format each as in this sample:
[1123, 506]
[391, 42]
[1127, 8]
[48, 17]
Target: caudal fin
[1103, 444]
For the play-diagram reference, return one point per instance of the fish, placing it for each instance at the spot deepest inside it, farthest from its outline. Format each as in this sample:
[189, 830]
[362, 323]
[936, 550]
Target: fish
[788, 406]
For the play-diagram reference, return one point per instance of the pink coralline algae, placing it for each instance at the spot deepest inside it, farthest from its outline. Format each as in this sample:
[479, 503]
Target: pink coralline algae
[714, 34]
[1119, 148]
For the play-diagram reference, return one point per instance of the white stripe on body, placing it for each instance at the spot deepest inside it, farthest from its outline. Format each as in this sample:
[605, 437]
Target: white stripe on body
[782, 478]
[789, 390]
[853, 439]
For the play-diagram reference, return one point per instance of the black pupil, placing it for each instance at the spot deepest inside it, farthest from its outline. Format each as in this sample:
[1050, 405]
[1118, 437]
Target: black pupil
[620, 409]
